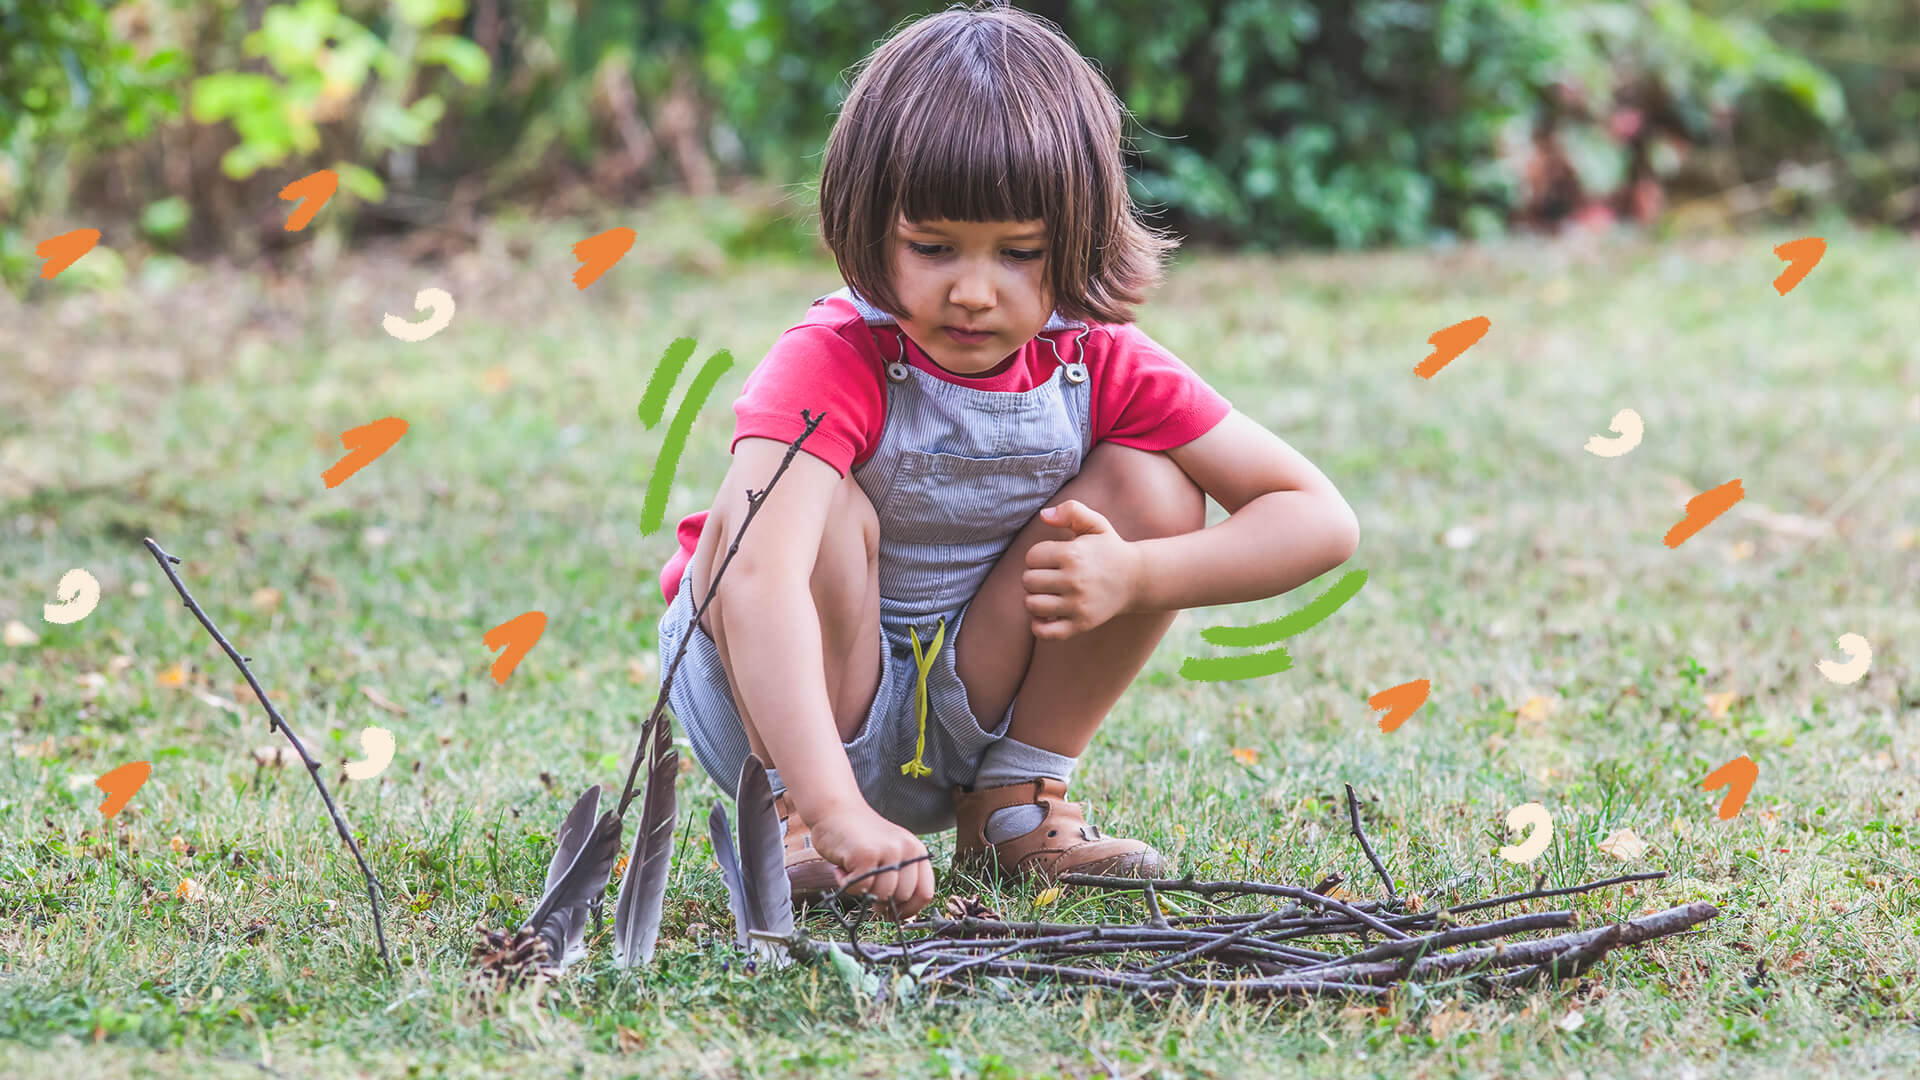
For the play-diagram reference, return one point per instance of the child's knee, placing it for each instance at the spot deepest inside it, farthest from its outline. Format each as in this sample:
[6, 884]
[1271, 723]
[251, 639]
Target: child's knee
[1146, 493]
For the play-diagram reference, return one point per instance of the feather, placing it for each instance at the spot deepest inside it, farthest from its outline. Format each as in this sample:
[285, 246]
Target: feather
[763, 863]
[643, 889]
[560, 918]
[573, 834]
[721, 830]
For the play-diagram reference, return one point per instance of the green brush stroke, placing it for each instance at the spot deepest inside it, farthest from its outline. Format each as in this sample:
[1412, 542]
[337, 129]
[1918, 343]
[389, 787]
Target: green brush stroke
[653, 510]
[1230, 668]
[1292, 623]
[653, 403]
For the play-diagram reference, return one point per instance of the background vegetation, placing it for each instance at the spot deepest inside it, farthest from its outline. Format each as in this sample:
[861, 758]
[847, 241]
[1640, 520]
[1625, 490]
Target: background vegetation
[1263, 123]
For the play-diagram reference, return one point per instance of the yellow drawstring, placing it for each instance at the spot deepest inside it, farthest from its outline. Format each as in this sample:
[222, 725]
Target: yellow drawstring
[918, 766]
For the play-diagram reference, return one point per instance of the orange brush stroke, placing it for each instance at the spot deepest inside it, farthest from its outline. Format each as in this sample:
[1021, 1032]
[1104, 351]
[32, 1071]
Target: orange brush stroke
[1737, 776]
[1703, 508]
[1400, 702]
[517, 634]
[1802, 256]
[364, 443]
[121, 783]
[313, 190]
[1451, 342]
[597, 254]
[61, 251]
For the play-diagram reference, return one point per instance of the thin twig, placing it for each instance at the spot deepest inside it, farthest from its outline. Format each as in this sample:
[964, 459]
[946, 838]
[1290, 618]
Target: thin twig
[1353, 812]
[1185, 885]
[278, 724]
[1541, 894]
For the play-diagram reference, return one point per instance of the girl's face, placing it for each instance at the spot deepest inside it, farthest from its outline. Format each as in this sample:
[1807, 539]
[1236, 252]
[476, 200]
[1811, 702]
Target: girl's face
[971, 275]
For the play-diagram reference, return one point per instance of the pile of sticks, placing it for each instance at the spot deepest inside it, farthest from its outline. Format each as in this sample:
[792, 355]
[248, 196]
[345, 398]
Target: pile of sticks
[1312, 945]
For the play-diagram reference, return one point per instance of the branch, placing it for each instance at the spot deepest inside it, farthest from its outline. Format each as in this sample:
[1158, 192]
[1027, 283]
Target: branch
[1353, 812]
[313, 766]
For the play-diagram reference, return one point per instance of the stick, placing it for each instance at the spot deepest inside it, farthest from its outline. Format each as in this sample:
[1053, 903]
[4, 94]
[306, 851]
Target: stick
[1541, 894]
[754, 501]
[1353, 812]
[277, 724]
[1187, 885]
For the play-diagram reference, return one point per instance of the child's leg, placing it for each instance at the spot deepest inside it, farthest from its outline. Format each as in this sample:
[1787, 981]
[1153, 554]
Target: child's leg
[846, 590]
[1016, 815]
[1062, 689]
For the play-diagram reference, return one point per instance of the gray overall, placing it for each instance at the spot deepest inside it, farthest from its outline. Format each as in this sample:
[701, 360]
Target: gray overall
[956, 474]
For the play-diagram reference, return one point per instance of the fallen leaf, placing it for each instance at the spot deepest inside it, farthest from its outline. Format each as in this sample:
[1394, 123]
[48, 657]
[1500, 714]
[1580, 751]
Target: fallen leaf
[266, 598]
[1047, 896]
[17, 636]
[1718, 704]
[217, 701]
[1246, 755]
[1570, 1022]
[1443, 1024]
[275, 756]
[190, 890]
[1624, 844]
[1740, 551]
[1536, 710]
[139, 588]
[631, 1041]
[383, 701]
[1337, 892]
[117, 665]
[92, 680]
[177, 844]
[640, 669]
[173, 676]
[496, 379]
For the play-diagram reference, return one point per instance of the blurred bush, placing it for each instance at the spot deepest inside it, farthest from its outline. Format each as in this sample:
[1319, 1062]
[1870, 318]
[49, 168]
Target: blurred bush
[1261, 122]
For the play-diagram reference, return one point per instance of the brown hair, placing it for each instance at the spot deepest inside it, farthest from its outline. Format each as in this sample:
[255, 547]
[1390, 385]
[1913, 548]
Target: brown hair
[988, 113]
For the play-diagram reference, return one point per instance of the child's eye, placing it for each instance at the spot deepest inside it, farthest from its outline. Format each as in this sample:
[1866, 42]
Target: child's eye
[930, 250]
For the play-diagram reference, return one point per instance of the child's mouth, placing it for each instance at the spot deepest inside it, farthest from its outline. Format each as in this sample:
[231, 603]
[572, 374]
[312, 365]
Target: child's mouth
[967, 339]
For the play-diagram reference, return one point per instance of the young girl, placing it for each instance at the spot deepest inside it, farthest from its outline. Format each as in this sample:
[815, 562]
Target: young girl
[1005, 505]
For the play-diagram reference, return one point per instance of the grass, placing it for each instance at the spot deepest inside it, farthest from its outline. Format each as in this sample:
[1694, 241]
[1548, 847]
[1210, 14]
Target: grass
[201, 410]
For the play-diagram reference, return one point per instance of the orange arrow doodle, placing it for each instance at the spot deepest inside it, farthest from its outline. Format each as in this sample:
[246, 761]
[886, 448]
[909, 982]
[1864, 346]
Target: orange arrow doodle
[1703, 508]
[517, 634]
[61, 251]
[597, 254]
[1802, 256]
[121, 783]
[1451, 342]
[364, 443]
[1400, 702]
[1737, 776]
[313, 190]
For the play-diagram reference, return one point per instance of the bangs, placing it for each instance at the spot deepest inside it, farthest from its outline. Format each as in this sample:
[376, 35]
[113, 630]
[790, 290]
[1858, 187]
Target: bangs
[974, 155]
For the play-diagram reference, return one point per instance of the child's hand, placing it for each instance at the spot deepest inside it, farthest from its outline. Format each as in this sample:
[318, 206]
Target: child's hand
[1074, 585]
[858, 840]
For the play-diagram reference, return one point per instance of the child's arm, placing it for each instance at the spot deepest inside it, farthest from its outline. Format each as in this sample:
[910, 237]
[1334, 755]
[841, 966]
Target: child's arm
[775, 656]
[1287, 524]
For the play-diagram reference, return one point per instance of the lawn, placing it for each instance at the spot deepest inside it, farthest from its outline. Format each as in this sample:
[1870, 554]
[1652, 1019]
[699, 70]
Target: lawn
[1575, 660]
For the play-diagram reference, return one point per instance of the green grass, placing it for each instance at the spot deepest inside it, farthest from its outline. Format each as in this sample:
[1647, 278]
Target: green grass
[203, 412]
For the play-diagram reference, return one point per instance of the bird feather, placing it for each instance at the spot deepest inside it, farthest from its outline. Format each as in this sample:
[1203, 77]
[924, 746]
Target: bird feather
[768, 897]
[643, 889]
[560, 918]
[573, 835]
[721, 831]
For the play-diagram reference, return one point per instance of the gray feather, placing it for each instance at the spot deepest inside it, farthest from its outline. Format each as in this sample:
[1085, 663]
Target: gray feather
[643, 889]
[573, 835]
[721, 830]
[560, 918]
[763, 862]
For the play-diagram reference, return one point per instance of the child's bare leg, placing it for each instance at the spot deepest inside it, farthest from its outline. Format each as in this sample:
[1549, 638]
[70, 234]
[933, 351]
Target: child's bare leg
[1065, 688]
[846, 590]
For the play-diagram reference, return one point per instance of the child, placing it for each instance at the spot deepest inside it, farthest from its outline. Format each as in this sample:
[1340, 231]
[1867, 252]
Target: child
[972, 182]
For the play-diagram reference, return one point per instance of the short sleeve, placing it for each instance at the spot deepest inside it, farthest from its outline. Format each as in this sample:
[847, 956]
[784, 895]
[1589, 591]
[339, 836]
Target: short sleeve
[1146, 397]
[811, 367]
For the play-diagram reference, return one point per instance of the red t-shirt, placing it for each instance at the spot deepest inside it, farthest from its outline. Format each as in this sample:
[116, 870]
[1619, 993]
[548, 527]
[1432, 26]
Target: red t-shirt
[1142, 395]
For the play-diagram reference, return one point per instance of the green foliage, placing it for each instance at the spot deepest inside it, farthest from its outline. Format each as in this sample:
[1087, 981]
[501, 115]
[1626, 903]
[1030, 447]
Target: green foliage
[323, 59]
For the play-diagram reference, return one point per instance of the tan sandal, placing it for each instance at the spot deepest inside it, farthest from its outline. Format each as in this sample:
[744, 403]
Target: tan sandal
[1063, 843]
[809, 874]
